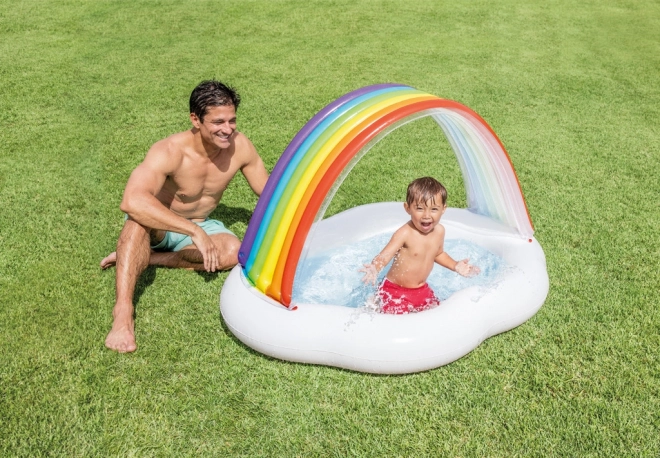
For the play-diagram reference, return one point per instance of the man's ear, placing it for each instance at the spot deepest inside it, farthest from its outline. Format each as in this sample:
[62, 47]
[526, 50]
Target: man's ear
[195, 120]
[406, 207]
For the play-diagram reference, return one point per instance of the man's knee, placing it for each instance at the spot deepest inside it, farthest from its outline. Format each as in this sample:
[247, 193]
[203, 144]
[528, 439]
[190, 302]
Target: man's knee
[134, 229]
[133, 248]
[232, 252]
[228, 246]
[134, 232]
[130, 225]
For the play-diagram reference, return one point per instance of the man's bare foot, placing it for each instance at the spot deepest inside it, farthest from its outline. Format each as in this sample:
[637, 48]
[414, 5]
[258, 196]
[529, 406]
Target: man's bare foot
[121, 338]
[109, 261]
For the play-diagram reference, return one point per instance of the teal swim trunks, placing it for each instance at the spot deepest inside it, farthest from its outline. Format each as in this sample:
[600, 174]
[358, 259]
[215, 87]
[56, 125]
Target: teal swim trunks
[174, 241]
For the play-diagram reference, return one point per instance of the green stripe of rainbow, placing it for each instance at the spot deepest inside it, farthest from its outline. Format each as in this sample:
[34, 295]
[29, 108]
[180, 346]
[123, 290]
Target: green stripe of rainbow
[270, 254]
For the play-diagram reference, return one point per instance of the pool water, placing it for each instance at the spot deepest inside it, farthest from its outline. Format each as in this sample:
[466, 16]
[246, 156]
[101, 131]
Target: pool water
[332, 277]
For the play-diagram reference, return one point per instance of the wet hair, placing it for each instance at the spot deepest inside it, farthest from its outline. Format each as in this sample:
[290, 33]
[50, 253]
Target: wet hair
[425, 189]
[212, 93]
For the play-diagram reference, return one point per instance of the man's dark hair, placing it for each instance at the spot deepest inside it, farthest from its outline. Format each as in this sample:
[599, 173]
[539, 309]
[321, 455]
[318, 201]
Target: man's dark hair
[212, 93]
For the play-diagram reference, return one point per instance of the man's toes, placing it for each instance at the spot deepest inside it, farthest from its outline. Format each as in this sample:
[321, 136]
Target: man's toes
[128, 347]
[109, 261]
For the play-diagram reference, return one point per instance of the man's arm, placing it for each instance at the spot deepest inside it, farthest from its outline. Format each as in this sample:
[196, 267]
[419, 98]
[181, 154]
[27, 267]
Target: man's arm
[253, 170]
[139, 201]
[141, 205]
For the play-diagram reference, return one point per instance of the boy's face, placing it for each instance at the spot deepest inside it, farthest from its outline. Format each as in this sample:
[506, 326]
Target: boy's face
[426, 215]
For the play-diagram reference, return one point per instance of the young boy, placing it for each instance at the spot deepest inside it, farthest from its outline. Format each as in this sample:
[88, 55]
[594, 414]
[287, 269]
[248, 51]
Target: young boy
[415, 247]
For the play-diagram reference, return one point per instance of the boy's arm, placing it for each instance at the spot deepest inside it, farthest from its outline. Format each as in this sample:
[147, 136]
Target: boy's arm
[446, 261]
[384, 257]
[461, 267]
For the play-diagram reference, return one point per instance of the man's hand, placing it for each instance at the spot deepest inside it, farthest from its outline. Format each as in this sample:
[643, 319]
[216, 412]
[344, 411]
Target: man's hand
[465, 269]
[370, 273]
[207, 248]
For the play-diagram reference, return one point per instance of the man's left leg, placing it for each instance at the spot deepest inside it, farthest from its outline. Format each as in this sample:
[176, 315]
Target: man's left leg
[189, 257]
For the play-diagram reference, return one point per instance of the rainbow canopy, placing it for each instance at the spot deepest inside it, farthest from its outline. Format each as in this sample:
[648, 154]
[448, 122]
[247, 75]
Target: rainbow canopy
[329, 144]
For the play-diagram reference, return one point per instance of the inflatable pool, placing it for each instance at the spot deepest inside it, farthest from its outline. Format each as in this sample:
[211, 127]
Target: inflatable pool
[287, 225]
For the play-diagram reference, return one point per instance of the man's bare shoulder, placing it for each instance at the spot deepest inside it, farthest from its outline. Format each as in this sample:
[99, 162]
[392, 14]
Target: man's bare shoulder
[243, 145]
[241, 139]
[175, 144]
[170, 149]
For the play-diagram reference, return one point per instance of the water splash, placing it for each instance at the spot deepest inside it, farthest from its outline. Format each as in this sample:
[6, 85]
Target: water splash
[332, 277]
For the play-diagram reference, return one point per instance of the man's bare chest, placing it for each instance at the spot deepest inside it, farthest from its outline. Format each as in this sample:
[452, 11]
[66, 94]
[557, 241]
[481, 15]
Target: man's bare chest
[191, 183]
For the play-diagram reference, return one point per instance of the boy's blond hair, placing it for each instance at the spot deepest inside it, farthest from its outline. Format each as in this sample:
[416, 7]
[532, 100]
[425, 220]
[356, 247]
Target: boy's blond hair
[425, 189]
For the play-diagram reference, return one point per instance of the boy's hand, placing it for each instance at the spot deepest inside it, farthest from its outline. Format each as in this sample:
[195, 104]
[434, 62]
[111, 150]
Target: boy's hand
[465, 269]
[370, 273]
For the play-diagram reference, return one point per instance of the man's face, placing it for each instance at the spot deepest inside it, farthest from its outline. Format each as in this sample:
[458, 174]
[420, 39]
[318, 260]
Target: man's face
[218, 126]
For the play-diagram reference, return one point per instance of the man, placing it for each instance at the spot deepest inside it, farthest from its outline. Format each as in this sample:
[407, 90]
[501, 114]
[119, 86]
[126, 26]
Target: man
[169, 196]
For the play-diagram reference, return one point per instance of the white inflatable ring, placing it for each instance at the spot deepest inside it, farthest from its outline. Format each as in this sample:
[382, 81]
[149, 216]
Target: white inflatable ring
[301, 185]
[392, 344]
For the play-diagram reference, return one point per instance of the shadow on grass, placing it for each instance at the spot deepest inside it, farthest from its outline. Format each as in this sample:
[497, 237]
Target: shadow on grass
[149, 276]
[145, 280]
[208, 276]
[231, 215]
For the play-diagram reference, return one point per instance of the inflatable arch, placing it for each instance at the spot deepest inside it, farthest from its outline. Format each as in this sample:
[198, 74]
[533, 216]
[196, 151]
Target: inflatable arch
[316, 157]
[295, 197]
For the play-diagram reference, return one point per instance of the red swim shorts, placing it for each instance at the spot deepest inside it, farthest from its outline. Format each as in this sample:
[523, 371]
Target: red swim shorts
[397, 300]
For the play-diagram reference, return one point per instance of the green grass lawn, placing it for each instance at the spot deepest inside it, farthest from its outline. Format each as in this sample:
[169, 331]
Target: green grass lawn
[572, 88]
